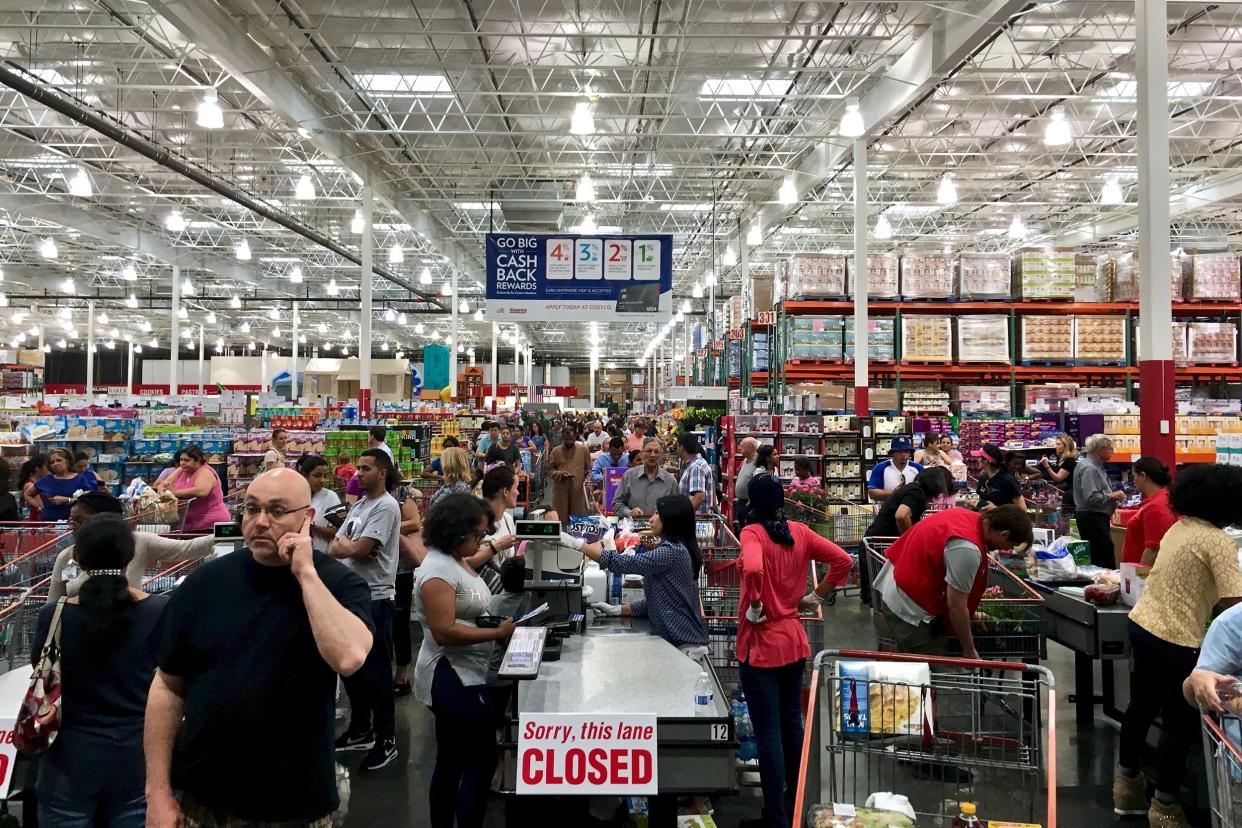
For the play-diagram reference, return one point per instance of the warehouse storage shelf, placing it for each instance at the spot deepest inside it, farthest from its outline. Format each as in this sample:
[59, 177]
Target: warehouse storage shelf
[795, 372]
[811, 307]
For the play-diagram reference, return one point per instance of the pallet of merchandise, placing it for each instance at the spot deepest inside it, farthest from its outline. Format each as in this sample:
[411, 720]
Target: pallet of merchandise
[1046, 339]
[1214, 277]
[1178, 332]
[1127, 272]
[1093, 278]
[983, 277]
[983, 338]
[1044, 274]
[815, 276]
[1212, 343]
[984, 399]
[926, 276]
[815, 338]
[879, 340]
[1099, 340]
[926, 339]
[882, 277]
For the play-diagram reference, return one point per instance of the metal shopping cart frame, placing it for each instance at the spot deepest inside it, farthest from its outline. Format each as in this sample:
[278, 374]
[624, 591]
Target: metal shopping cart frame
[1016, 638]
[991, 739]
[1223, 759]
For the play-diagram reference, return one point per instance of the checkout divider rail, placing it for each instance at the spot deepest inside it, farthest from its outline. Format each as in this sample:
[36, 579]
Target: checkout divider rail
[1223, 760]
[988, 736]
[1014, 636]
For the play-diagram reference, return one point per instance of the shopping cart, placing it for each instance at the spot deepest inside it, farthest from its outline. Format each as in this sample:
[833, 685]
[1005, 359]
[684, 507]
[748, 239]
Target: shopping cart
[1010, 633]
[19, 613]
[1222, 747]
[975, 731]
[36, 555]
[163, 578]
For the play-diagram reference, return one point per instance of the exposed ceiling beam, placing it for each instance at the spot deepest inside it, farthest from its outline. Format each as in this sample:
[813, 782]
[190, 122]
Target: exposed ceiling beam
[1199, 197]
[205, 24]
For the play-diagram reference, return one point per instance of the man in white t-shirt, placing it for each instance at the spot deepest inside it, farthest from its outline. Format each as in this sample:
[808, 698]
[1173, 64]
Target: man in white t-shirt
[376, 439]
[598, 438]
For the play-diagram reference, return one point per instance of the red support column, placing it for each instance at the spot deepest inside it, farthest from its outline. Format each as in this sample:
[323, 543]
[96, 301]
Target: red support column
[1157, 410]
[862, 401]
[364, 403]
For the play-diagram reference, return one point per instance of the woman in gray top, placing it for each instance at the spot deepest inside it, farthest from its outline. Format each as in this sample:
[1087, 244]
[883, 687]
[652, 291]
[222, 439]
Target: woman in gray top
[93, 774]
[450, 675]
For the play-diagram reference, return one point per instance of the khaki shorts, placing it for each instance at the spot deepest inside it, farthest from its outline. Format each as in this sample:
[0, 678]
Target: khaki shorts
[197, 816]
[928, 638]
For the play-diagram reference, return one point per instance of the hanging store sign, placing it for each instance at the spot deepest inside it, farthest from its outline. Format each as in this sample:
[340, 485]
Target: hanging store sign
[566, 278]
[587, 754]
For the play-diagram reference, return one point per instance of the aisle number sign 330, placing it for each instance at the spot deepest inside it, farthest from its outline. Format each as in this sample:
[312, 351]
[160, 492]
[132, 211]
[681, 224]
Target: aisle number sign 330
[570, 753]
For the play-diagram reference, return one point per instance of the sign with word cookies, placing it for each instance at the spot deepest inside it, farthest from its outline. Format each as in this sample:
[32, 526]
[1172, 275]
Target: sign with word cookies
[587, 754]
[563, 277]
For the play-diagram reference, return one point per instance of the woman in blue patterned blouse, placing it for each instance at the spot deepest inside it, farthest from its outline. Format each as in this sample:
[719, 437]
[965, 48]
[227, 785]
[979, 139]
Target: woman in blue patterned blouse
[670, 570]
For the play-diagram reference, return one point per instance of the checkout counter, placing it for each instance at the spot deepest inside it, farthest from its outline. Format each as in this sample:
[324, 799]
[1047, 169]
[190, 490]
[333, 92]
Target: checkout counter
[1093, 633]
[572, 663]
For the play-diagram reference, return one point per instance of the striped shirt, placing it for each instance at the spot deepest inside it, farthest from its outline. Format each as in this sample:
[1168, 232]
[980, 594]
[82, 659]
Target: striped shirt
[697, 477]
[671, 601]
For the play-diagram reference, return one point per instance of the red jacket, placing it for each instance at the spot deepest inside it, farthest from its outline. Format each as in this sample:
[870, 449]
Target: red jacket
[918, 558]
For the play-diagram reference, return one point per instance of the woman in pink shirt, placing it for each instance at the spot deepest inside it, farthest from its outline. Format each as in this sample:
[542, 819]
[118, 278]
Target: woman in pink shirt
[772, 646]
[198, 482]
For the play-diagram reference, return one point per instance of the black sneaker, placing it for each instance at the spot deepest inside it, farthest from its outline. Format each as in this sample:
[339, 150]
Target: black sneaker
[402, 688]
[380, 755]
[355, 741]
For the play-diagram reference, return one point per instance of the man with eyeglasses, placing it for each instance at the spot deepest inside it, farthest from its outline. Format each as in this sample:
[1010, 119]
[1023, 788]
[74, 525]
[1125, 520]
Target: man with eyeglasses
[368, 542]
[249, 651]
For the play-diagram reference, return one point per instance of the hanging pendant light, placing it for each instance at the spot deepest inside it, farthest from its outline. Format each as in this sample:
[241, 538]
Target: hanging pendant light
[883, 230]
[851, 121]
[788, 193]
[582, 122]
[210, 115]
[946, 193]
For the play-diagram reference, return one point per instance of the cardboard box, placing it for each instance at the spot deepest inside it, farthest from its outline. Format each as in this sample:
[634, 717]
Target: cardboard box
[1133, 582]
[763, 293]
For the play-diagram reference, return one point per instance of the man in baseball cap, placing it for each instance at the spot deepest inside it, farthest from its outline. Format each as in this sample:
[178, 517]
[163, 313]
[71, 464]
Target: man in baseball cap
[997, 485]
[895, 471]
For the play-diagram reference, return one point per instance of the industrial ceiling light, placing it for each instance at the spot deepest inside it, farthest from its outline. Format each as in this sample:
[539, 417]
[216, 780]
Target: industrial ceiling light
[344, 351]
[851, 121]
[390, 315]
[235, 302]
[435, 336]
[1057, 133]
[187, 287]
[80, 184]
[47, 248]
[588, 224]
[356, 224]
[182, 313]
[679, 317]
[585, 191]
[395, 254]
[295, 275]
[276, 332]
[102, 318]
[144, 326]
[946, 193]
[274, 313]
[333, 288]
[242, 251]
[210, 115]
[424, 278]
[1112, 192]
[697, 290]
[478, 315]
[729, 259]
[788, 193]
[400, 355]
[384, 347]
[321, 329]
[883, 230]
[114, 332]
[582, 122]
[446, 289]
[754, 236]
[211, 317]
[464, 307]
[4, 300]
[62, 344]
[245, 327]
[250, 346]
[1017, 229]
[418, 329]
[685, 306]
[710, 279]
[174, 222]
[132, 301]
[305, 189]
[68, 286]
[154, 343]
[402, 319]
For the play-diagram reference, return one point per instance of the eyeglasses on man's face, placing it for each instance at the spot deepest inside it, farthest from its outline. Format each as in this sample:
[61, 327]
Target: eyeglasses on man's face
[275, 512]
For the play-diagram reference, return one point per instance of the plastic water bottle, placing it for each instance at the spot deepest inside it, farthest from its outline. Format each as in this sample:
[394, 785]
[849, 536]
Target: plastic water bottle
[703, 696]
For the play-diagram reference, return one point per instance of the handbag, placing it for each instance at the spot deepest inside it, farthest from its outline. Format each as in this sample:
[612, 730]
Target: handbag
[38, 721]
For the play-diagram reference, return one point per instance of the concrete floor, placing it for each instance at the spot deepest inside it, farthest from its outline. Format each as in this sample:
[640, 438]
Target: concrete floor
[396, 796]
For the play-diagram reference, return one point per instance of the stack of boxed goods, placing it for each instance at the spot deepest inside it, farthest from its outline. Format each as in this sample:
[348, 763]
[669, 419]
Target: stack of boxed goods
[1045, 274]
[929, 277]
[1214, 277]
[1212, 342]
[1126, 275]
[1123, 429]
[812, 276]
[983, 276]
[881, 277]
[1100, 340]
[816, 338]
[1093, 278]
[983, 399]
[983, 338]
[1047, 397]
[974, 433]
[1179, 342]
[918, 399]
[1047, 338]
[879, 340]
[759, 356]
[926, 338]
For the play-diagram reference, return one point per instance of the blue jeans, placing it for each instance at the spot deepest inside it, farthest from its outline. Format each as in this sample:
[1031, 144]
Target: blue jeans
[61, 806]
[774, 698]
[465, 750]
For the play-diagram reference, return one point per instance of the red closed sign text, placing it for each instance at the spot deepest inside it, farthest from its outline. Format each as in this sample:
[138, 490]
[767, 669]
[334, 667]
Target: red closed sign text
[561, 753]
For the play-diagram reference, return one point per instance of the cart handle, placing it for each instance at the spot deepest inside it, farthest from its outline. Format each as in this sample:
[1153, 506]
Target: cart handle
[942, 661]
[1210, 724]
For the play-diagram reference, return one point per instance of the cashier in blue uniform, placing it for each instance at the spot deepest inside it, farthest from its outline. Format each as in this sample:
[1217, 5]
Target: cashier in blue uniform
[670, 571]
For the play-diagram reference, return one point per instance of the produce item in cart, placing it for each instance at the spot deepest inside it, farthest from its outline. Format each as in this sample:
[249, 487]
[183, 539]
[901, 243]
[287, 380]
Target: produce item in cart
[883, 699]
[844, 815]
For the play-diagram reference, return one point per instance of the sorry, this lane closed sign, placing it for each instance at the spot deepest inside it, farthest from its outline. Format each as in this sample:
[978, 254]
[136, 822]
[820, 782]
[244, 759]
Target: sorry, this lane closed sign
[554, 278]
[587, 754]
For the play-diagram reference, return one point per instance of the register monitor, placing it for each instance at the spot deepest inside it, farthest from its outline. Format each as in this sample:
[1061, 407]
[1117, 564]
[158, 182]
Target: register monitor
[553, 571]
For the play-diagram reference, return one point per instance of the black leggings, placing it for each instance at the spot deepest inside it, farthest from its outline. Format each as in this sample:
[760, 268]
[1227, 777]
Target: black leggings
[465, 750]
[1094, 529]
[404, 605]
[1157, 670]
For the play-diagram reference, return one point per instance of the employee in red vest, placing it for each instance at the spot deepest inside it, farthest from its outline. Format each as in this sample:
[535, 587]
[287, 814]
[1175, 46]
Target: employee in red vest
[937, 571]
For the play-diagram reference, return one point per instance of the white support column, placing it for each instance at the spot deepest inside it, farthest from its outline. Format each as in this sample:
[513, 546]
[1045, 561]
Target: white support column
[202, 358]
[90, 348]
[862, 382]
[517, 349]
[263, 370]
[530, 373]
[129, 369]
[454, 267]
[293, 363]
[495, 367]
[743, 264]
[1156, 371]
[689, 361]
[364, 330]
[174, 342]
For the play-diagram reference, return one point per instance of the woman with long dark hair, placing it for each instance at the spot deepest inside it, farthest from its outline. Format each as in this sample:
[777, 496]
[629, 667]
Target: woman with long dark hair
[772, 647]
[94, 774]
[196, 481]
[670, 568]
[60, 484]
[906, 505]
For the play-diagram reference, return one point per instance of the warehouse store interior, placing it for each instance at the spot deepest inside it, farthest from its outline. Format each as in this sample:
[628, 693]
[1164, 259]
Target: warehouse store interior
[697, 413]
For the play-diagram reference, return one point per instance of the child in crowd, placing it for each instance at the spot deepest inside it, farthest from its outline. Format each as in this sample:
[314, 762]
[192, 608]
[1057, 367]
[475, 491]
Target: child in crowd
[803, 480]
[344, 470]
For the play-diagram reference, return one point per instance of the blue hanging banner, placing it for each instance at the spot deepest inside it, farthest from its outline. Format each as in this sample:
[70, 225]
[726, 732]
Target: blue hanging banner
[435, 367]
[556, 278]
